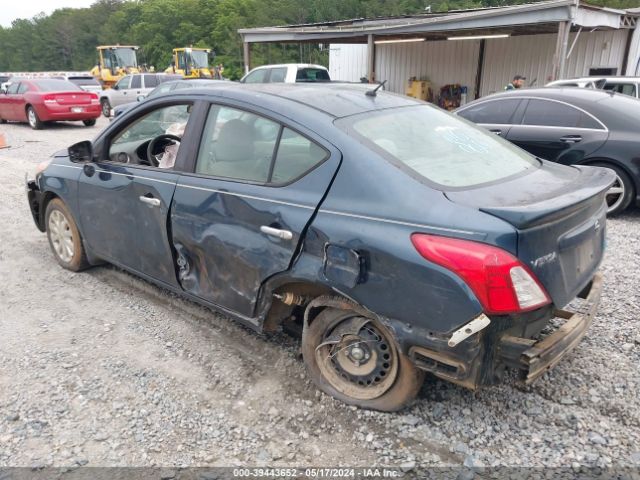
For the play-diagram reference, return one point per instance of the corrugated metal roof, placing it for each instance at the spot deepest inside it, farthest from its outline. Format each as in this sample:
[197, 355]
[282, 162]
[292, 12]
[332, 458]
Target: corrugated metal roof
[516, 18]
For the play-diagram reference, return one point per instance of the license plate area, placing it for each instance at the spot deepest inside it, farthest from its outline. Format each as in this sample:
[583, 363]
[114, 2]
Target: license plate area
[77, 109]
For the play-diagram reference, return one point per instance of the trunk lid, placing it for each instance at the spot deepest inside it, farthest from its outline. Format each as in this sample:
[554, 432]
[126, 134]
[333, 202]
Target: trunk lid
[559, 214]
[72, 98]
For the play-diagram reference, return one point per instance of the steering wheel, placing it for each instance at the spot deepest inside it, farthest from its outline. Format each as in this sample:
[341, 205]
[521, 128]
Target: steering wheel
[154, 158]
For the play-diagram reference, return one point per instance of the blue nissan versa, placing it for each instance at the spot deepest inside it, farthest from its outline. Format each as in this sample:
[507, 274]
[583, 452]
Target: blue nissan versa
[402, 239]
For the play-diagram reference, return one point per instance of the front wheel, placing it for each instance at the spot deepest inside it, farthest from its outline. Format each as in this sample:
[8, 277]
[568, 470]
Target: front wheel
[64, 237]
[89, 123]
[106, 107]
[32, 117]
[356, 360]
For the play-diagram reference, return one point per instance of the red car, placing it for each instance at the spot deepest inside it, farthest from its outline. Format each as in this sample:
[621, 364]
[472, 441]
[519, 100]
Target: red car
[47, 100]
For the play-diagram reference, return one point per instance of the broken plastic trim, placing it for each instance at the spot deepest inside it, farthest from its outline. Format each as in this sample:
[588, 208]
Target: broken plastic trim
[475, 325]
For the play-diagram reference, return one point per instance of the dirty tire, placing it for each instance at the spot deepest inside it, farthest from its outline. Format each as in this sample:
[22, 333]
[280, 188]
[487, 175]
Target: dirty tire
[618, 203]
[32, 118]
[89, 123]
[403, 387]
[64, 237]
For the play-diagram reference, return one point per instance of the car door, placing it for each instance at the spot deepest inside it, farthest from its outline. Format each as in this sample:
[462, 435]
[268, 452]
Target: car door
[557, 131]
[497, 116]
[124, 202]
[150, 81]
[11, 98]
[239, 217]
[20, 102]
[119, 94]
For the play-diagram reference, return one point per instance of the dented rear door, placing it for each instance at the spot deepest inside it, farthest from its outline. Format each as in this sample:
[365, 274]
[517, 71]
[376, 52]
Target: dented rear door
[231, 234]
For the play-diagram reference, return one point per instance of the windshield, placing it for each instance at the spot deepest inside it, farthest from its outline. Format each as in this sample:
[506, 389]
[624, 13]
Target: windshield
[125, 57]
[199, 59]
[438, 146]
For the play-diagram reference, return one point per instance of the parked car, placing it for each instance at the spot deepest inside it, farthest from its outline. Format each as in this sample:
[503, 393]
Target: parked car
[86, 82]
[586, 82]
[570, 126]
[625, 85]
[401, 238]
[287, 73]
[37, 101]
[130, 87]
[166, 87]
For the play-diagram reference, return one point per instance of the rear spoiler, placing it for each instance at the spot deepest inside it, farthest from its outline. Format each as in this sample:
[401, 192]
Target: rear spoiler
[592, 182]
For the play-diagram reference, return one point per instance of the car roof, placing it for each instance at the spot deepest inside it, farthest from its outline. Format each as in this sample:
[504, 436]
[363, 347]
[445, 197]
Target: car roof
[297, 65]
[611, 108]
[554, 93]
[338, 100]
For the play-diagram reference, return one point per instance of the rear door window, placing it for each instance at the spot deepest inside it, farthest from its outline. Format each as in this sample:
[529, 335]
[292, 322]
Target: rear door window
[150, 81]
[296, 156]
[554, 114]
[499, 112]
[237, 145]
[136, 81]
[241, 145]
[278, 75]
[23, 88]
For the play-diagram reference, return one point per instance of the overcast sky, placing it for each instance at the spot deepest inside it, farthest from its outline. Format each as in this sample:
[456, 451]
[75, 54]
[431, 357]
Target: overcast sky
[10, 10]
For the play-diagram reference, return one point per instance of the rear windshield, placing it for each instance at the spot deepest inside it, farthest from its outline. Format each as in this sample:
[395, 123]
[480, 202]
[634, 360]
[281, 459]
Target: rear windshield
[312, 75]
[83, 80]
[52, 85]
[444, 149]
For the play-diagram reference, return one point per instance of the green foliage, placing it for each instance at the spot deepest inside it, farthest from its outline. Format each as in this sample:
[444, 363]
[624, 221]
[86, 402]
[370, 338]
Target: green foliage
[66, 39]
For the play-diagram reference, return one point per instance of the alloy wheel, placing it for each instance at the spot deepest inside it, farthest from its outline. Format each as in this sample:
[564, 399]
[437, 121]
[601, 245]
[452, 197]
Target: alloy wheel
[615, 195]
[33, 121]
[61, 236]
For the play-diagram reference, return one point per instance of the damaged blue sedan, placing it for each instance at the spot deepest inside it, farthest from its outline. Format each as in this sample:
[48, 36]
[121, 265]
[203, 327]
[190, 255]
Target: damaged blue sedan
[396, 238]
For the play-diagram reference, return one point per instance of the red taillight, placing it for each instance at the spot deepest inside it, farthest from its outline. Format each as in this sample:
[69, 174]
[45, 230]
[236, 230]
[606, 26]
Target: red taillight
[49, 98]
[499, 280]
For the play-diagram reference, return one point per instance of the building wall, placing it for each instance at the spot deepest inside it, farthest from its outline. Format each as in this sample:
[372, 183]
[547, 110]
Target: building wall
[445, 62]
[442, 63]
[348, 62]
[532, 56]
[633, 62]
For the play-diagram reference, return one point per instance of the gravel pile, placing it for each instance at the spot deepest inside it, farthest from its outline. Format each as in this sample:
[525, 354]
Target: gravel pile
[103, 369]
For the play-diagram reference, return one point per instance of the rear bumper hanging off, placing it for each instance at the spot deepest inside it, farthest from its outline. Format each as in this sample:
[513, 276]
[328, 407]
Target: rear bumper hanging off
[533, 357]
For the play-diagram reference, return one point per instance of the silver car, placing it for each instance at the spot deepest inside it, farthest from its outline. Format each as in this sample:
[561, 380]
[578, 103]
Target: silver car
[129, 88]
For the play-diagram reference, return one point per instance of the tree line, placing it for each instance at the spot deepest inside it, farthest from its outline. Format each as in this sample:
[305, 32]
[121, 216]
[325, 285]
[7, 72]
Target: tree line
[66, 39]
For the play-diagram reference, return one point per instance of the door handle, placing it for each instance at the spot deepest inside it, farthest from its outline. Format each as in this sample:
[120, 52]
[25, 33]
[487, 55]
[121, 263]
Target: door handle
[276, 232]
[497, 131]
[154, 202]
[571, 139]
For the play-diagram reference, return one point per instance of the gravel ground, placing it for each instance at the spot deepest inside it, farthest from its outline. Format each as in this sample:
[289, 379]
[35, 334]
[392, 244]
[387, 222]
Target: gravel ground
[102, 369]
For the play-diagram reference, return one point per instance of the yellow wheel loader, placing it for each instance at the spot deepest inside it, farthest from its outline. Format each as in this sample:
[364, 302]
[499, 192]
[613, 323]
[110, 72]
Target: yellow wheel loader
[114, 62]
[191, 63]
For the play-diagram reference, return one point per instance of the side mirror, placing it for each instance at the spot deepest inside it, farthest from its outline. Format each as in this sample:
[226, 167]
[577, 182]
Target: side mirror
[140, 98]
[81, 152]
